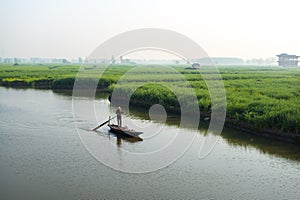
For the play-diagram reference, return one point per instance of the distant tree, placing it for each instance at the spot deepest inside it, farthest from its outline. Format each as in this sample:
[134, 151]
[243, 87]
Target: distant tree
[15, 61]
[64, 61]
[113, 59]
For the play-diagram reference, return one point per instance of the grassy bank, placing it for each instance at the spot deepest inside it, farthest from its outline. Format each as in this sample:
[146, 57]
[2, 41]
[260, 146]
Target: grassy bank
[265, 99]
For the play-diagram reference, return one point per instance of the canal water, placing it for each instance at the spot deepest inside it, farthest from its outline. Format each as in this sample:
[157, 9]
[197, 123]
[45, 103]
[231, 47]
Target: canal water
[48, 152]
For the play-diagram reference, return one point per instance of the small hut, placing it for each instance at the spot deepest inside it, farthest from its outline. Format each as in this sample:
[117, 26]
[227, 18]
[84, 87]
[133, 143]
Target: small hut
[286, 60]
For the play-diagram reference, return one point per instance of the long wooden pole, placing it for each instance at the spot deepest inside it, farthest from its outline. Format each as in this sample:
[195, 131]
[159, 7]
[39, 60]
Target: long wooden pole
[103, 123]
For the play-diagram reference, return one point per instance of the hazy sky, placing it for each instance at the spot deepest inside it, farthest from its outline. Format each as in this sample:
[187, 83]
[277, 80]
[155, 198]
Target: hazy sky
[73, 28]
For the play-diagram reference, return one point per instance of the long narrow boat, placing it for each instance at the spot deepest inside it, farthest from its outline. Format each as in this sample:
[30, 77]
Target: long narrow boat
[124, 131]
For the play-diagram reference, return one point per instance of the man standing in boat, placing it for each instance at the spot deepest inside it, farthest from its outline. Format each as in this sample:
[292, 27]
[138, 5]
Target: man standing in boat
[119, 116]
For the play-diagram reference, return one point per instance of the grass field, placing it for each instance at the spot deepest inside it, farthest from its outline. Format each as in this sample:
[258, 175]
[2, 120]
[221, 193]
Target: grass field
[258, 98]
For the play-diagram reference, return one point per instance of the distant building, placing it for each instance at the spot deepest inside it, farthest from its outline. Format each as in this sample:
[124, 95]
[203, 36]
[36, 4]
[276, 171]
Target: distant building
[286, 60]
[195, 65]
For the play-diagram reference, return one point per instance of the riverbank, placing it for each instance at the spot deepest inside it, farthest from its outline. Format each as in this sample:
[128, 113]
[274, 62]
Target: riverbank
[260, 100]
[229, 123]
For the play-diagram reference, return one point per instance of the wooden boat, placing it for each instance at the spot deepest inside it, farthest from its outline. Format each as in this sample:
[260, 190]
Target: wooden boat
[123, 131]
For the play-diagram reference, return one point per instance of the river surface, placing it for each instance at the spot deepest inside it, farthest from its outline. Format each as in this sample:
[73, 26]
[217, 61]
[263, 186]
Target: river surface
[42, 156]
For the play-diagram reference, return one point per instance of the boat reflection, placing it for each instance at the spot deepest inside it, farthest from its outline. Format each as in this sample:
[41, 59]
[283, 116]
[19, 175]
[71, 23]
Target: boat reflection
[120, 138]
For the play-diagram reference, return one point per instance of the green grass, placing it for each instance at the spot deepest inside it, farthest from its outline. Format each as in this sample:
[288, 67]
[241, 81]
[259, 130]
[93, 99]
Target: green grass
[261, 97]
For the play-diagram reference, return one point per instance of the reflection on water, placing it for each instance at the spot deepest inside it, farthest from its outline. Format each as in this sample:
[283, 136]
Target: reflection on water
[264, 145]
[99, 94]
